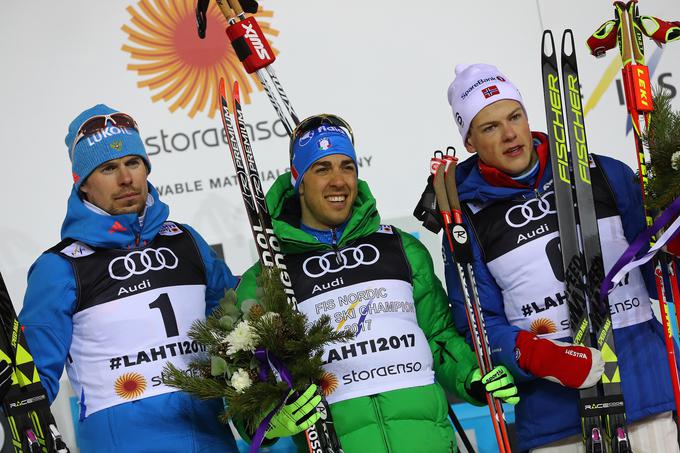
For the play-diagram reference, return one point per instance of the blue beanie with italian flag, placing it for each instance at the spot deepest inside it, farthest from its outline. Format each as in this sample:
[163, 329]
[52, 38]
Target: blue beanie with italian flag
[315, 144]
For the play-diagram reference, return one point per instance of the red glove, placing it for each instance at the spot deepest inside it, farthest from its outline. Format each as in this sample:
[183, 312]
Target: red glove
[569, 365]
[673, 247]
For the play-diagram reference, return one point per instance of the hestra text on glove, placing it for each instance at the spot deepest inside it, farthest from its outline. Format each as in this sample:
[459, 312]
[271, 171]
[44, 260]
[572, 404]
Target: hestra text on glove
[567, 364]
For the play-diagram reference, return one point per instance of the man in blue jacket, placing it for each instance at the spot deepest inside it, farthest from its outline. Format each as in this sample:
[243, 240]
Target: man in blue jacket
[506, 191]
[114, 300]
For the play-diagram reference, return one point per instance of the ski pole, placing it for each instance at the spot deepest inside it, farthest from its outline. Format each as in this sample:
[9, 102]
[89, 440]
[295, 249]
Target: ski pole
[266, 64]
[322, 436]
[32, 426]
[455, 232]
[629, 27]
[254, 51]
[461, 431]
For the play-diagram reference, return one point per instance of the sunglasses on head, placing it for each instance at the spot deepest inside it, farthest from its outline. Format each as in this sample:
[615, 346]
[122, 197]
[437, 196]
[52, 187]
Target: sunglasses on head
[316, 121]
[98, 123]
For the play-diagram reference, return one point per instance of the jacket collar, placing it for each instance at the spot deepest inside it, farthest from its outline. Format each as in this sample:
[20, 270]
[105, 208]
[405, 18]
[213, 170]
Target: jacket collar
[98, 229]
[495, 177]
[284, 205]
[474, 186]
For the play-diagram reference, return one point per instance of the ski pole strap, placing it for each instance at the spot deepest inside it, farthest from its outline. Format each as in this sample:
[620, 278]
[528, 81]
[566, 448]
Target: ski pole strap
[250, 44]
[629, 259]
[269, 363]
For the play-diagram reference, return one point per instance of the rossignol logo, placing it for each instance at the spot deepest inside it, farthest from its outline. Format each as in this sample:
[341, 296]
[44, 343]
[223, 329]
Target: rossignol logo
[558, 128]
[251, 35]
[459, 234]
[169, 57]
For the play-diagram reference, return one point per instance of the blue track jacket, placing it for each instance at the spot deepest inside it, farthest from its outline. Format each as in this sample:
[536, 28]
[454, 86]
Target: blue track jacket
[171, 422]
[548, 411]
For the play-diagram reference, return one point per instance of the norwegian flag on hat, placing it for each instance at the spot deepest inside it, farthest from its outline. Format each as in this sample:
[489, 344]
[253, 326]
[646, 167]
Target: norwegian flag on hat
[490, 91]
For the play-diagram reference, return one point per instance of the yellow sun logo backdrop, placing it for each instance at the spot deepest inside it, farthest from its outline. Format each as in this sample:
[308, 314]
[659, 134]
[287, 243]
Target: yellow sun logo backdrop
[175, 64]
[542, 326]
[130, 385]
[328, 382]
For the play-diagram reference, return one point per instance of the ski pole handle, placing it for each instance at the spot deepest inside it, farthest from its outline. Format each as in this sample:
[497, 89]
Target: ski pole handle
[226, 9]
[451, 190]
[437, 169]
[236, 6]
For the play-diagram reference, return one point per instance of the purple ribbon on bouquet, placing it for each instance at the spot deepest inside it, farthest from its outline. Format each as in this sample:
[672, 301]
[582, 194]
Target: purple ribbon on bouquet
[629, 260]
[269, 363]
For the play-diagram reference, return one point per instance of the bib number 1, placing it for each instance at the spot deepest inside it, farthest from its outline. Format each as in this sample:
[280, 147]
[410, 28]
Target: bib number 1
[167, 313]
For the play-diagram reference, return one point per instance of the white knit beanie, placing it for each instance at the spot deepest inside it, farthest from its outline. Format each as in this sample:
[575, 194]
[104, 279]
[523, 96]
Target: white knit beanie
[475, 87]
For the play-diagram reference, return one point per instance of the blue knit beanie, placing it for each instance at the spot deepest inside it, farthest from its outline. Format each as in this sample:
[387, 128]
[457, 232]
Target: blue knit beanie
[315, 144]
[93, 150]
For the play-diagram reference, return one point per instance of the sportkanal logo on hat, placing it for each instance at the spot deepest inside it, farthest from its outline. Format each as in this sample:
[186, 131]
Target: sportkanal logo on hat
[175, 64]
[324, 144]
[306, 137]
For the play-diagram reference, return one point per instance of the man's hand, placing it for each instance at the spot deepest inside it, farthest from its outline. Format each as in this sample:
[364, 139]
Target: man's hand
[293, 417]
[567, 364]
[498, 382]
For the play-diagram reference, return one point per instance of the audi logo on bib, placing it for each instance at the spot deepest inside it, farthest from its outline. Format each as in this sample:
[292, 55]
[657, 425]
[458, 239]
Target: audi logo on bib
[142, 261]
[332, 262]
[534, 209]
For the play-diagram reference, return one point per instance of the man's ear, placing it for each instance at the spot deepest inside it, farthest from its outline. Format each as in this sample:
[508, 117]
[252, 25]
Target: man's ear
[83, 187]
[468, 145]
[301, 188]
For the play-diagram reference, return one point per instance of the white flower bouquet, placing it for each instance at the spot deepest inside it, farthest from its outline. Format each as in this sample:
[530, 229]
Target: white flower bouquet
[249, 347]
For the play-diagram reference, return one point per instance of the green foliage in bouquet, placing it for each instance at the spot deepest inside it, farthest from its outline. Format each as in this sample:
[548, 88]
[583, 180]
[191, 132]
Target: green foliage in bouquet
[663, 141]
[231, 334]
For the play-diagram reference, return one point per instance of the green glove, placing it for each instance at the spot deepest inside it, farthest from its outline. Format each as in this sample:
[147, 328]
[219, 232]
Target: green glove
[294, 417]
[498, 382]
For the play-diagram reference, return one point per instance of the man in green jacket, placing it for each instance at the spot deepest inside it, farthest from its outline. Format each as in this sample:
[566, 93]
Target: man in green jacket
[385, 386]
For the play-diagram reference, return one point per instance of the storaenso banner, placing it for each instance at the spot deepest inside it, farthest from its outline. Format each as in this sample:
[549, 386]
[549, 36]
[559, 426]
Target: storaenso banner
[213, 137]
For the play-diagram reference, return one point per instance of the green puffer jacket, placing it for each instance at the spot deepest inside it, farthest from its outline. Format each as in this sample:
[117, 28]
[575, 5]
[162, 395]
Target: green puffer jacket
[406, 420]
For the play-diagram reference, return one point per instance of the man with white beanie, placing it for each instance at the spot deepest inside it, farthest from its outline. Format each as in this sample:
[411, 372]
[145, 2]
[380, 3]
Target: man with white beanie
[506, 191]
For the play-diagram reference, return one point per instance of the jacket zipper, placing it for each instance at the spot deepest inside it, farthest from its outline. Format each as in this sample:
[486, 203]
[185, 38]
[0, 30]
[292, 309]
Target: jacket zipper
[379, 416]
[334, 243]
